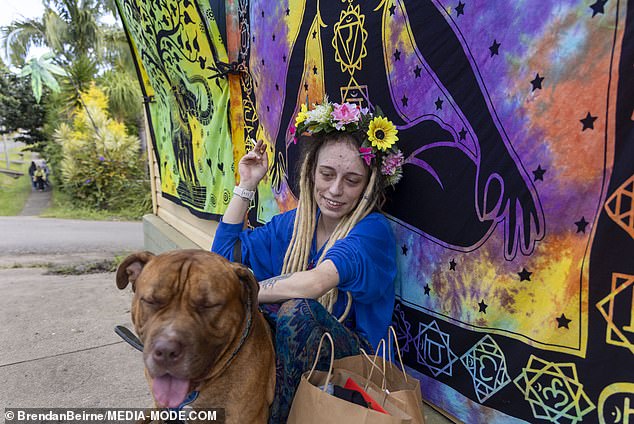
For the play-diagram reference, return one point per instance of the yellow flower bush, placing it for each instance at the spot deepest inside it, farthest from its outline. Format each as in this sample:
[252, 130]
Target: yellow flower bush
[100, 162]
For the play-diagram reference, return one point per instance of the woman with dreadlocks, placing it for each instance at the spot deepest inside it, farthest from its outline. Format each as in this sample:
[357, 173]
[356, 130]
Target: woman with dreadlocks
[330, 264]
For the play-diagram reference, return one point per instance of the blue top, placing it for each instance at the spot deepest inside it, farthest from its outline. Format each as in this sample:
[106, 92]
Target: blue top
[365, 261]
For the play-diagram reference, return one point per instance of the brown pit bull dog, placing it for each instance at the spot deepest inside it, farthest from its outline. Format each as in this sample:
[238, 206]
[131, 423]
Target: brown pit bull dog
[198, 318]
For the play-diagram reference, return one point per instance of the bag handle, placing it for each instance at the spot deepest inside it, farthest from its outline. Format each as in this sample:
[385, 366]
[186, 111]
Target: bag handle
[392, 331]
[332, 359]
[373, 364]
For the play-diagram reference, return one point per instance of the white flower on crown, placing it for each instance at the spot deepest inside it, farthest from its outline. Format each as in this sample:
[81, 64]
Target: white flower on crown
[320, 114]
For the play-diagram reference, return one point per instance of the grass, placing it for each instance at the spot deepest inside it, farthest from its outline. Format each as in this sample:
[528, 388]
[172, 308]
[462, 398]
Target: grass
[63, 206]
[107, 265]
[14, 191]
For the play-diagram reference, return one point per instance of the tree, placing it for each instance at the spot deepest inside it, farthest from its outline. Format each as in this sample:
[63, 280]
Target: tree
[84, 47]
[19, 109]
[42, 71]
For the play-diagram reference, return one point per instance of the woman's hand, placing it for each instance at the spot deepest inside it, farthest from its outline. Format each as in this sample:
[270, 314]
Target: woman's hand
[253, 166]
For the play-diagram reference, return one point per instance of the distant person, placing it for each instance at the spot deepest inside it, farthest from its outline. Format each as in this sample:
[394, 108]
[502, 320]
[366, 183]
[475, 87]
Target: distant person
[32, 169]
[39, 178]
[47, 172]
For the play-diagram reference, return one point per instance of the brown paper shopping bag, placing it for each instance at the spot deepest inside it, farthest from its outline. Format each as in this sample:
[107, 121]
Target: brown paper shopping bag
[313, 405]
[403, 389]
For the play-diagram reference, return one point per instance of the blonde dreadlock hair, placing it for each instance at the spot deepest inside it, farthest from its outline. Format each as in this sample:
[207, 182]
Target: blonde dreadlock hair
[296, 257]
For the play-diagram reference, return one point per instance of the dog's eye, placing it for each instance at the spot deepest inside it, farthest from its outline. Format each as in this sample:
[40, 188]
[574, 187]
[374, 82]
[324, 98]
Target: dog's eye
[151, 302]
[208, 306]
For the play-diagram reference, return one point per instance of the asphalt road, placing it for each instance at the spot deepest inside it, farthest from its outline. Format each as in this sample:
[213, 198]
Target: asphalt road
[33, 235]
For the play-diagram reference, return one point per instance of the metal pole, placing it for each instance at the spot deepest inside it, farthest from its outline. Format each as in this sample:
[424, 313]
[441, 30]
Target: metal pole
[6, 150]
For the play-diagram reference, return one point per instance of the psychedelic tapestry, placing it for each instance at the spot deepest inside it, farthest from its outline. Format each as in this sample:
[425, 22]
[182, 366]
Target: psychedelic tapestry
[514, 218]
[179, 56]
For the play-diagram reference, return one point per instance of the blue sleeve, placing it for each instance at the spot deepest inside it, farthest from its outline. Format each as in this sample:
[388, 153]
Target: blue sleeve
[366, 259]
[263, 248]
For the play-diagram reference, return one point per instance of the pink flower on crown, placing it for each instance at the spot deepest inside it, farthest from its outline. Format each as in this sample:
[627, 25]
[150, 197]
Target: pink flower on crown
[344, 114]
[391, 163]
[367, 155]
[292, 130]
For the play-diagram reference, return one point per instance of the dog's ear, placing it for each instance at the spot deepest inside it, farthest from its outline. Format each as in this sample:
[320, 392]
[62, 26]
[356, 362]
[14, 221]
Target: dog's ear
[248, 279]
[131, 267]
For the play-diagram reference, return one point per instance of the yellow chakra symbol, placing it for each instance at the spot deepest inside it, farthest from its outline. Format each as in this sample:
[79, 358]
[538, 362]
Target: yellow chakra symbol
[349, 39]
[553, 391]
[620, 206]
[620, 330]
[615, 403]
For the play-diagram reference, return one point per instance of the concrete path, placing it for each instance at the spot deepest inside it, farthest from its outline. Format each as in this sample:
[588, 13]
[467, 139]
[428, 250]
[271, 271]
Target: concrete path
[58, 347]
[57, 344]
[36, 202]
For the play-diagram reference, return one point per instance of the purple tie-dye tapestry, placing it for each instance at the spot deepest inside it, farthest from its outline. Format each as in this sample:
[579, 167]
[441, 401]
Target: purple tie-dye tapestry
[514, 217]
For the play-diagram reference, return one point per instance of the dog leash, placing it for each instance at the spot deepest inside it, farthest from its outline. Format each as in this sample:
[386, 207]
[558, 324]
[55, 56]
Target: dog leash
[128, 336]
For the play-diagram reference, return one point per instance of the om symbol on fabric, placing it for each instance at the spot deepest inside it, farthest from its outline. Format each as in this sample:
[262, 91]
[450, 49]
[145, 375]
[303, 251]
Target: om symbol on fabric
[554, 391]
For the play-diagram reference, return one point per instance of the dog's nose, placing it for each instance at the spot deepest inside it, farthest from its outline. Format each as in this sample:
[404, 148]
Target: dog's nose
[166, 350]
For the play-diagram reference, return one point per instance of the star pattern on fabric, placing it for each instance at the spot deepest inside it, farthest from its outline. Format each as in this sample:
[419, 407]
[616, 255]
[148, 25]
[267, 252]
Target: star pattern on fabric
[391, 9]
[538, 174]
[494, 48]
[404, 100]
[314, 34]
[562, 321]
[462, 134]
[581, 225]
[397, 55]
[597, 7]
[452, 265]
[483, 306]
[460, 8]
[315, 70]
[427, 289]
[404, 250]
[273, 37]
[306, 87]
[417, 70]
[524, 275]
[284, 58]
[277, 87]
[537, 82]
[588, 122]
[288, 11]
[438, 104]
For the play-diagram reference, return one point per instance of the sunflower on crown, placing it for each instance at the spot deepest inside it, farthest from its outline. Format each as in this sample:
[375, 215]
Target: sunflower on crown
[381, 134]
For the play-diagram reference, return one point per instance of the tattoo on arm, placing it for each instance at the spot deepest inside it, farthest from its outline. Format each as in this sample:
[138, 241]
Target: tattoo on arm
[270, 282]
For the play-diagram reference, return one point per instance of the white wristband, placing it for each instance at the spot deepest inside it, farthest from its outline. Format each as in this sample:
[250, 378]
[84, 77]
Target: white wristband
[244, 193]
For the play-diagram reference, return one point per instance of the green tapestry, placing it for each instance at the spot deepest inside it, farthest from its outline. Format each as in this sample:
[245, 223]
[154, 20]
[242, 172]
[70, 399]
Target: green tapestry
[177, 49]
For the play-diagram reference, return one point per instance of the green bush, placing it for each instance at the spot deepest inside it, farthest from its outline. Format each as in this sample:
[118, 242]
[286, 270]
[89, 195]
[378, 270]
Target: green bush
[101, 165]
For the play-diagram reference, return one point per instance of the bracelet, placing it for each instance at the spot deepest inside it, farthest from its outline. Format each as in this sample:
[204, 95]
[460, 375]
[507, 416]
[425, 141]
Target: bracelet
[244, 193]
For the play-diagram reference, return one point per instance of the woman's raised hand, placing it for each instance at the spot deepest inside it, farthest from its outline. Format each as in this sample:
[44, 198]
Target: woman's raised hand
[253, 166]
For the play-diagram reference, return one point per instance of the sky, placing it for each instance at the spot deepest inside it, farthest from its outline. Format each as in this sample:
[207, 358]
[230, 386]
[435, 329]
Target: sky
[13, 10]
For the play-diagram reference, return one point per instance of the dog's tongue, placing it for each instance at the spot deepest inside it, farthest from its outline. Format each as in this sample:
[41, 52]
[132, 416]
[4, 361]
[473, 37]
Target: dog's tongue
[170, 392]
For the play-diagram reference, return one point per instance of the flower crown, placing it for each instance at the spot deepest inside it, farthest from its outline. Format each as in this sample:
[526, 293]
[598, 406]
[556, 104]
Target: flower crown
[381, 134]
